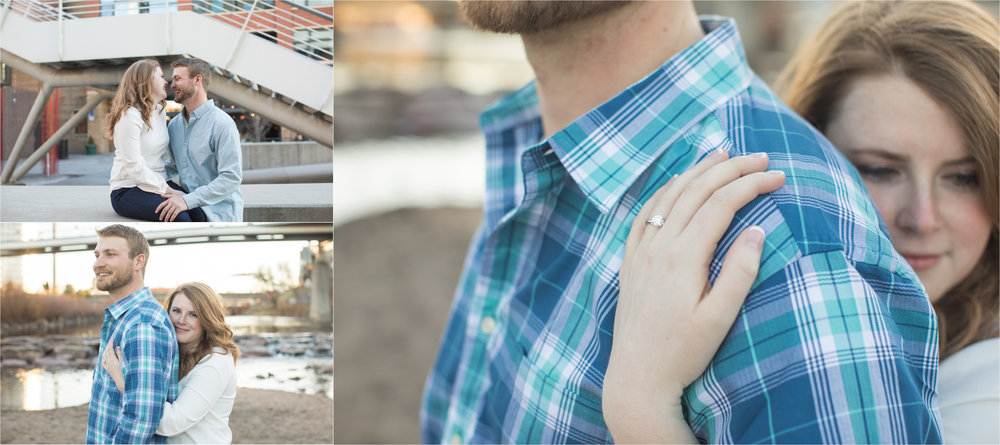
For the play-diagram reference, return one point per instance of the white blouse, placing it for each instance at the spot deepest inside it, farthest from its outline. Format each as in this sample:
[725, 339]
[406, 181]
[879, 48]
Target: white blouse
[141, 152]
[205, 399]
[969, 394]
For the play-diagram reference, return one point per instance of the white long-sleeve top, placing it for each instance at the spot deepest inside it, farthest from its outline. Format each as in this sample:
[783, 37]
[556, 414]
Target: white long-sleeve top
[969, 394]
[204, 401]
[141, 152]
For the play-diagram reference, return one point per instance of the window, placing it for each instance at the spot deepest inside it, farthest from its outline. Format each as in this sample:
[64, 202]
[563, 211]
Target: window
[316, 43]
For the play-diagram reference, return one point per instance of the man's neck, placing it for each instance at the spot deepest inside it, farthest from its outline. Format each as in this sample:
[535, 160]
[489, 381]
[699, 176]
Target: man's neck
[126, 290]
[581, 65]
[193, 103]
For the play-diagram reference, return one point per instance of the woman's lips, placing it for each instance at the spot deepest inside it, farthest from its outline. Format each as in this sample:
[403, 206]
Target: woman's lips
[922, 262]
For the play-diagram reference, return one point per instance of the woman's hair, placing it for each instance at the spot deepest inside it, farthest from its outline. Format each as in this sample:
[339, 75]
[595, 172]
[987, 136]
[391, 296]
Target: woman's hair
[215, 332]
[951, 51]
[135, 90]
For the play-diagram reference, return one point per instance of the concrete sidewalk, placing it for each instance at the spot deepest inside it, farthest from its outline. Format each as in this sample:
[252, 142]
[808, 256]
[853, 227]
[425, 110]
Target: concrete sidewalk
[77, 170]
[77, 203]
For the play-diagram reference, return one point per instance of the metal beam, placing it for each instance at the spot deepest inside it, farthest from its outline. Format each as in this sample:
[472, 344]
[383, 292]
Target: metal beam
[275, 110]
[29, 125]
[51, 142]
[249, 233]
[65, 78]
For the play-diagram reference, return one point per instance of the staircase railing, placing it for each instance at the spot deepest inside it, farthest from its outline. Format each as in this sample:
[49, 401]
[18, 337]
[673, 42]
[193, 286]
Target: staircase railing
[299, 28]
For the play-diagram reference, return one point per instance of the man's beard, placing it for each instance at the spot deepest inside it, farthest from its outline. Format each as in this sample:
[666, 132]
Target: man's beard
[180, 95]
[527, 17]
[117, 280]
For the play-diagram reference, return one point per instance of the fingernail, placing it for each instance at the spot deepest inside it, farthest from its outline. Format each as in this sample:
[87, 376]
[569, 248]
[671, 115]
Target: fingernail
[756, 237]
[717, 153]
[776, 173]
[758, 155]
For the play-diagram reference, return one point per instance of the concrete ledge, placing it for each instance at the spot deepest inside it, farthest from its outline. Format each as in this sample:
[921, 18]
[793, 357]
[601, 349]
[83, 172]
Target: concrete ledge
[92, 203]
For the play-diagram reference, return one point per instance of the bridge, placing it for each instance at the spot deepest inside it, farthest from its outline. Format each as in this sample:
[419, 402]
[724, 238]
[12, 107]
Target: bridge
[210, 234]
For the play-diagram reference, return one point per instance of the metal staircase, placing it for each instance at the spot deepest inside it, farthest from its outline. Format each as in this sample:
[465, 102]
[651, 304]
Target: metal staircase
[264, 56]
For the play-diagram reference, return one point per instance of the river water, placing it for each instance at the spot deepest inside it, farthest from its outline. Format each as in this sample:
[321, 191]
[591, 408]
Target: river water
[40, 389]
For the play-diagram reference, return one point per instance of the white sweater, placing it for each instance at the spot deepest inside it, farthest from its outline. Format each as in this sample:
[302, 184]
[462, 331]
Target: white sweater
[969, 394]
[204, 401]
[141, 152]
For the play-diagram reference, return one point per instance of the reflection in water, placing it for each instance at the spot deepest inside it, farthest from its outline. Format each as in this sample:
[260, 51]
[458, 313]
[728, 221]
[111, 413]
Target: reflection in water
[38, 389]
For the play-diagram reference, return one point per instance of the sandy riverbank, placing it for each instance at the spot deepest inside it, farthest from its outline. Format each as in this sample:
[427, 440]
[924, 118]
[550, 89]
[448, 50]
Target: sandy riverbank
[396, 274]
[259, 416]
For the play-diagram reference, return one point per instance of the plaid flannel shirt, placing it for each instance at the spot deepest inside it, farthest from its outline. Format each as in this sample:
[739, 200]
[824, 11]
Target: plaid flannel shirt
[836, 342]
[142, 328]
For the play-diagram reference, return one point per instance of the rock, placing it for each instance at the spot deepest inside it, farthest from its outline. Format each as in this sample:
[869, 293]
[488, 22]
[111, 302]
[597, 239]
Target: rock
[255, 351]
[51, 363]
[291, 350]
[13, 363]
[74, 351]
[250, 341]
[26, 353]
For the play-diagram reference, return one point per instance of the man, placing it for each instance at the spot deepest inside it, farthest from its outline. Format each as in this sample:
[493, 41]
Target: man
[835, 343]
[138, 324]
[205, 145]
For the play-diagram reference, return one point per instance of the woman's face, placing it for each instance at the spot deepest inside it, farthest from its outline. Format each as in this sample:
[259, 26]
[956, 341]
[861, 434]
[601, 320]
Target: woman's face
[912, 157]
[185, 320]
[159, 85]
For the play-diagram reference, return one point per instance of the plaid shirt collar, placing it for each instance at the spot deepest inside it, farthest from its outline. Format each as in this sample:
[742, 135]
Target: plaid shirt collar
[607, 149]
[121, 307]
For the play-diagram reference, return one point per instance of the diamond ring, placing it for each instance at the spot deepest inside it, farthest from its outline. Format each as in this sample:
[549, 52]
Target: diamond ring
[656, 220]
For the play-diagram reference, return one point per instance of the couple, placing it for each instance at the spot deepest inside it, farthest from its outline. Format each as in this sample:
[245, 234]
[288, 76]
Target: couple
[640, 278]
[136, 396]
[199, 149]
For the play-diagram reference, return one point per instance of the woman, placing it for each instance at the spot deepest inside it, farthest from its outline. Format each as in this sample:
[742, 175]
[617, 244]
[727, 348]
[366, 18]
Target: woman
[207, 386]
[909, 93]
[137, 123]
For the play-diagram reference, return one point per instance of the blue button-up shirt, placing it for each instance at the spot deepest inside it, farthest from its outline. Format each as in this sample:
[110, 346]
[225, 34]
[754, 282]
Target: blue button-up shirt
[208, 161]
[836, 342]
[142, 328]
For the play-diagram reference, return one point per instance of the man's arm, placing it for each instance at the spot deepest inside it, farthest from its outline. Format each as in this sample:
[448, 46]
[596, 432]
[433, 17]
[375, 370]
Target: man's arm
[229, 159]
[146, 359]
[828, 351]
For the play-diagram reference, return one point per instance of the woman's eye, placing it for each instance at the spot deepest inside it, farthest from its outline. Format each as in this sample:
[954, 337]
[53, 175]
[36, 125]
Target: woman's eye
[964, 180]
[877, 172]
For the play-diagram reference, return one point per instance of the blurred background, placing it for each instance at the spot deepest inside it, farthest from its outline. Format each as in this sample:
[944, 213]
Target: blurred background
[410, 81]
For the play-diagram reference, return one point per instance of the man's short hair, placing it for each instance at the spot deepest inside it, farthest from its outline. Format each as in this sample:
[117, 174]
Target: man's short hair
[137, 243]
[195, 67]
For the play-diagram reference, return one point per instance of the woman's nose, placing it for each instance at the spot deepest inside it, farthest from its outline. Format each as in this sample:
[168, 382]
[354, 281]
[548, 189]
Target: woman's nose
[919, 213]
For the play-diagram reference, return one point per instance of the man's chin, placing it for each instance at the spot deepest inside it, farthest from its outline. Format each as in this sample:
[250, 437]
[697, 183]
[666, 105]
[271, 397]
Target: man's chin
[529, 17]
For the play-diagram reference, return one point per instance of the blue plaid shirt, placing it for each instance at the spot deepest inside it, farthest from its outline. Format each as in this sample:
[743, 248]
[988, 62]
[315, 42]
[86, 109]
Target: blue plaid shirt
[837, 341]
[141, 327]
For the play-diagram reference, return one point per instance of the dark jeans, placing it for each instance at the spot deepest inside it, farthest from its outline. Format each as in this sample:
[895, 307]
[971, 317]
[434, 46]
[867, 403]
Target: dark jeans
[137, 204]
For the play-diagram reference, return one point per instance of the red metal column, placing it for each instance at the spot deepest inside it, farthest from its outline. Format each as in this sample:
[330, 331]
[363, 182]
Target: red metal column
[50, 123]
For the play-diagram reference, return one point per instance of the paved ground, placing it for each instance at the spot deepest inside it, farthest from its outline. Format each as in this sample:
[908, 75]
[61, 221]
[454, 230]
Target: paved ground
[77, 170]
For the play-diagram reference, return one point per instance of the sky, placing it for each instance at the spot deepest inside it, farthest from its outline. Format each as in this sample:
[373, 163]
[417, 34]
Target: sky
[216, 264]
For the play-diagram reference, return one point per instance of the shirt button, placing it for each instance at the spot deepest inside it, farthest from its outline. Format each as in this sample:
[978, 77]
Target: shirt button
[456, 439]
[488, 325]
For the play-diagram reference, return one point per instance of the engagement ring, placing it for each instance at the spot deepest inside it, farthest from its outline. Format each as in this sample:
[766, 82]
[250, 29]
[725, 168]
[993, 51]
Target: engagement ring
[656, 220]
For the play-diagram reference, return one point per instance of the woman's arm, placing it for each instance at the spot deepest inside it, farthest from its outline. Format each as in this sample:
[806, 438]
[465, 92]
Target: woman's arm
[670, 320]
[206, 384]
[127, 147]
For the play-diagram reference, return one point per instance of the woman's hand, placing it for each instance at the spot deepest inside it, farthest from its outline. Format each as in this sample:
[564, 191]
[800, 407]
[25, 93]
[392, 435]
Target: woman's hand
[670, 320]
[112, 363]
